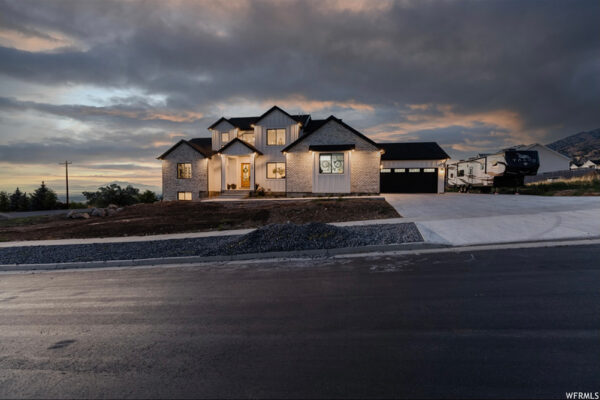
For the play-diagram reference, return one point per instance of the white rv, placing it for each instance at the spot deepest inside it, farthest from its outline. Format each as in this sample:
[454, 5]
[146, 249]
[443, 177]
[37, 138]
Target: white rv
[507, 168]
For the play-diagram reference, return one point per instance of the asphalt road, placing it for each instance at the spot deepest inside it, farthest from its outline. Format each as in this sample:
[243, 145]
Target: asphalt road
[505, 323]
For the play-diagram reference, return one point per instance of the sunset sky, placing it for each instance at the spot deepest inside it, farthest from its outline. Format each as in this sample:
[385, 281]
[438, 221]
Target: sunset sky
[111, 85]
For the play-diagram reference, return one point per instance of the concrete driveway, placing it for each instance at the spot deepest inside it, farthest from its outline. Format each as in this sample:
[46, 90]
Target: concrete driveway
[465, 219]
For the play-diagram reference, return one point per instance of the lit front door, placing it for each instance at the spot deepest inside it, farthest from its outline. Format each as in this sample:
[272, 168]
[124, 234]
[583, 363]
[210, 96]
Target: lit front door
[245, 175]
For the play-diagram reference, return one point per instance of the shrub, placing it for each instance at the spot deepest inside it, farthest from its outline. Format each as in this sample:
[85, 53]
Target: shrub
[147, 196]
[113, 194]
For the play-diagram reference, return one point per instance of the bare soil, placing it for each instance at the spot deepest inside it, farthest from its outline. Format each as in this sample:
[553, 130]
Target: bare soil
[176, 217]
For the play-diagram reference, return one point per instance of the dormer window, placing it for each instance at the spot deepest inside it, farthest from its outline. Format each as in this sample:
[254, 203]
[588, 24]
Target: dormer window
[275, 137]
[224, 137]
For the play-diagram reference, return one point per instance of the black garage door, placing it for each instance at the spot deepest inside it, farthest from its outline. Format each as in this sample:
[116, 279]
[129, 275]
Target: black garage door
[408, 180]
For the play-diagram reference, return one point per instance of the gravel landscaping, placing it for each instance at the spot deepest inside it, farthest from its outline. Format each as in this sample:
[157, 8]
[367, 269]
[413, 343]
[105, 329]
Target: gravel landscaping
[274, 237]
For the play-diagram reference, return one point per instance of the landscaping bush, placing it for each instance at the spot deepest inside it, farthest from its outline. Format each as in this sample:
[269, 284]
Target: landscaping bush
[115, 194]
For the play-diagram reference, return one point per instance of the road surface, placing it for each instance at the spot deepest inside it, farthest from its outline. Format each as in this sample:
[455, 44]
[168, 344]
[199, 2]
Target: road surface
[490, 324]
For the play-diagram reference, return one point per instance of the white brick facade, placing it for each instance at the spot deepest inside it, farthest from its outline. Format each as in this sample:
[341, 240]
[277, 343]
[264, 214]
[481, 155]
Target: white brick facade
[363, 171]
[197, 184]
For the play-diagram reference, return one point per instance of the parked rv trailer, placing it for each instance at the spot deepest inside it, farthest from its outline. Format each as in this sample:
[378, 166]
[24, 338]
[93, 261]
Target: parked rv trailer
[505, 169]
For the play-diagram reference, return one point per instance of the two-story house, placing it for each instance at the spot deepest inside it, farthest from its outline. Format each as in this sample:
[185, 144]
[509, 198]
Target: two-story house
[282, 153]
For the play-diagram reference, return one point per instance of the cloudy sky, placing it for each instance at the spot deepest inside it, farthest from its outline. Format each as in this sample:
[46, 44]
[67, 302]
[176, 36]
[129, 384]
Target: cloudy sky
[110, 85]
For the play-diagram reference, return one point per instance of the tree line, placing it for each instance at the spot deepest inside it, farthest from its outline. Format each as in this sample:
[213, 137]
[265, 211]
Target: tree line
[44, 198]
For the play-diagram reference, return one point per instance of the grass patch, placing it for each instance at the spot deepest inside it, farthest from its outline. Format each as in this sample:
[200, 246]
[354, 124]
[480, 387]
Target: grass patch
[588, 185]
[13, 222]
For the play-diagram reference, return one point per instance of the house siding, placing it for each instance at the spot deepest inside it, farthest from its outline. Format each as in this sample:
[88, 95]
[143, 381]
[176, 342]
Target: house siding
[197, 184]
[361, 174]
[551, 161]
[274, 120]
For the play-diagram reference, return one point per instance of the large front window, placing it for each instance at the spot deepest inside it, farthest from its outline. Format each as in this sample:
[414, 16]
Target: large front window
[184, 170]
[275, 170]
[331, 163]
[275, 137]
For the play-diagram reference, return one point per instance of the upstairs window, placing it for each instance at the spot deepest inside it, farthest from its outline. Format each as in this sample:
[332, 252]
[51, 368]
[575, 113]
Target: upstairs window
[184, 170]
[331, 163]
[248, 137]
[224, 137]
[275, 137]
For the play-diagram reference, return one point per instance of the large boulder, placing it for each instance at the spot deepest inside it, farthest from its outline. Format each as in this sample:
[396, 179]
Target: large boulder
[98, 212]
[110, 212]
[80, 215]
[113, 206]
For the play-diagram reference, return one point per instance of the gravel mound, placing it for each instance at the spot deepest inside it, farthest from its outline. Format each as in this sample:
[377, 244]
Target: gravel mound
[270, 238]
[290, 237]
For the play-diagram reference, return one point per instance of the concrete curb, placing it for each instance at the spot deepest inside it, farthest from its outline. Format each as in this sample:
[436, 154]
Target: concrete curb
[313, 253]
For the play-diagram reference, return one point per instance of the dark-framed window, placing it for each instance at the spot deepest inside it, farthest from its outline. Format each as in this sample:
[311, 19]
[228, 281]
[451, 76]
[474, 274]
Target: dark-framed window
[275, 137]
[184, 196]
[461, 172]
[413, 170]
[399, 170]
[275, 170]
[184, 170]
[429, 170]
[386, 170]
[331, 163]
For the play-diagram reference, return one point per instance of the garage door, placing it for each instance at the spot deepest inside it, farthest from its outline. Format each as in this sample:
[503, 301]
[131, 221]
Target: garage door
[408, 180]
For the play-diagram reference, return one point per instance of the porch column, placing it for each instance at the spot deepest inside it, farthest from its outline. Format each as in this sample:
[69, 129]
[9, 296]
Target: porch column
[252, 158]
[223, 172]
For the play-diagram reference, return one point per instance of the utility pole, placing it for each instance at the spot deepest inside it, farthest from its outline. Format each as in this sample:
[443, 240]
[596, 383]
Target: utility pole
[66, 164]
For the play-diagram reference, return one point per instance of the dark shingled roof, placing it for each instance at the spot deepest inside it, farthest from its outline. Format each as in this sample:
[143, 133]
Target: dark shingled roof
[413, 151]
[234, 140]
[314, 125]
[245, 123]
[200, 148]
[203, 145]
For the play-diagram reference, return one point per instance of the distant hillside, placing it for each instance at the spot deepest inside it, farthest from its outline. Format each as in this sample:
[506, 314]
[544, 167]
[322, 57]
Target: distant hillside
[580, 146]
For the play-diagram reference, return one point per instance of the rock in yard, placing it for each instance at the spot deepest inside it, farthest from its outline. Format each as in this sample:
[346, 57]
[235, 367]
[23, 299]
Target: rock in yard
[98, 212]
[110, 212]
[80, 216]
[114, 206]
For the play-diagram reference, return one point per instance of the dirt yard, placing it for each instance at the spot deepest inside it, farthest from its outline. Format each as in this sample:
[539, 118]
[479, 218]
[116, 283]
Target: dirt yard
[174, 217]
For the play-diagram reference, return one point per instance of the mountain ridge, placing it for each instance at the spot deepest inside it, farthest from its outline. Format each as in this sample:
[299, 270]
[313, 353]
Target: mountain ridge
[580, 146]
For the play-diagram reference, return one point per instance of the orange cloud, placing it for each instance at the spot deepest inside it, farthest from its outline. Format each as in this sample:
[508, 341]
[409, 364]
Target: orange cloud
[432, 116]
[306, 105]
[45, 41]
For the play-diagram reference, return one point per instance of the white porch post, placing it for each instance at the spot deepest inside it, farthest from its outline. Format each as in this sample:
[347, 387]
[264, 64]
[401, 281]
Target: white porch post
[252, 169]
[223, 172]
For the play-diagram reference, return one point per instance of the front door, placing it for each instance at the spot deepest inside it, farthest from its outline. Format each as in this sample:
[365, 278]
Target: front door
[245, 184]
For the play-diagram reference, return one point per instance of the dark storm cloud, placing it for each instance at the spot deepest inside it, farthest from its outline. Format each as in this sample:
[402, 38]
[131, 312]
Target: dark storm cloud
[537, 59]
[116, 146]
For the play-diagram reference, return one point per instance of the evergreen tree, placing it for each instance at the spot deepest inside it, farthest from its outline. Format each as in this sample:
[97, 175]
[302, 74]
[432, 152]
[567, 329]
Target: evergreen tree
[4, 202]
[15, 200]
[43, 198]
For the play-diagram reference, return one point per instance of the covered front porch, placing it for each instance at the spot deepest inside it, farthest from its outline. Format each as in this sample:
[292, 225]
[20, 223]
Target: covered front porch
[237, 166]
